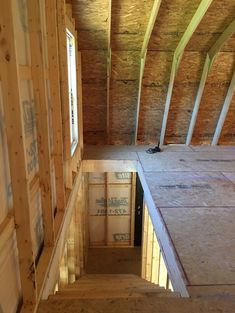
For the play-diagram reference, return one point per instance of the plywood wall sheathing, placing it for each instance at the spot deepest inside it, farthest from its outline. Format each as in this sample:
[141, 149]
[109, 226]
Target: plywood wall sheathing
[31, 152]
[39, 60]
[126, 91]
[17, 151]
[111, 208]
[153, 266]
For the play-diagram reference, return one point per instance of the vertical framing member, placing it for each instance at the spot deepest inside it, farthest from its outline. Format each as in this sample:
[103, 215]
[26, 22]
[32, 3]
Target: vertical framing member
[17, 153]
[152, 20]
[210, 57]
[42, 116]
[54, 74]
[201, 11]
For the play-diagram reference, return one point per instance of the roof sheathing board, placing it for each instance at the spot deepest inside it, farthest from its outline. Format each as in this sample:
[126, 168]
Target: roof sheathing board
[219, 15]
[173, 19]
[183, 96]
[153, 95]
[129, 23]
[213, 97]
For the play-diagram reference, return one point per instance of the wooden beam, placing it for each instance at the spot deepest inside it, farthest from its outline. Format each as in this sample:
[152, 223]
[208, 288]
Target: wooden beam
[210, 57]
[201, 10]
[168, 100]
[206, 69]
[228, 32]
[54, 74]
[42, 116]
[63, 66]
[109, 66]
[151, 23]
[142, 65]
[224, 111]
[17, 152]
[152, 20]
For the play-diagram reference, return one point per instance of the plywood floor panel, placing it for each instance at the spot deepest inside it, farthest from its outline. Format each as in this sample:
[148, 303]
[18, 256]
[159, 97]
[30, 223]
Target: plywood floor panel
[205, 241]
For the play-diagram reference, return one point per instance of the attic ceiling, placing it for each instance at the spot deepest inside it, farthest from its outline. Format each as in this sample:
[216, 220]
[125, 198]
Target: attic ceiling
[110, 89]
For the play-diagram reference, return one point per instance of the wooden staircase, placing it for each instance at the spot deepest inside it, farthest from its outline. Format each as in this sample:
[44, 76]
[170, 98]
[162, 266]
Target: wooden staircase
[124, 294]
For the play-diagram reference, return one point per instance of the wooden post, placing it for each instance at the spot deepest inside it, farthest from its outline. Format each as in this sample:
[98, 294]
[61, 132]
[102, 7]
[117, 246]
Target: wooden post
[63, 67]
[205, 72]
[152, 20]
[54, 74]
[210, 57]
[17, 152]
[42, 116]
[224, 111]
[144, 242]
[201, 11]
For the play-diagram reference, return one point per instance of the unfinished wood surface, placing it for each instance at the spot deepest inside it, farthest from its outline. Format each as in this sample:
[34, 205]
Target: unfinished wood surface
[54, 73]
[5, 180]
[63, 68]
[42, 116]
[130, 30]
[197, 17]
[200, 161]
[17, 153]
[194, 196]
[10, 286]
[144, 304]
[111, 206]
[200, 231]
[113, 261]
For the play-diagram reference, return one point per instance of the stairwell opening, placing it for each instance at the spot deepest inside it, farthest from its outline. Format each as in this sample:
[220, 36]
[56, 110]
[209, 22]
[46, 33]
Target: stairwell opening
[111, 232]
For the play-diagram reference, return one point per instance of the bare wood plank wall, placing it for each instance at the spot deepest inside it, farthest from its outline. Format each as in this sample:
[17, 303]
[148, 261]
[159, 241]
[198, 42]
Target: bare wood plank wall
[40, 181]
[131, 108]
[153, 264]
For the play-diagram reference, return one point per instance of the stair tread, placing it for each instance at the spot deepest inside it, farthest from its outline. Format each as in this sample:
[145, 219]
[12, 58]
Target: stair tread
[113, 295]
[143, 305]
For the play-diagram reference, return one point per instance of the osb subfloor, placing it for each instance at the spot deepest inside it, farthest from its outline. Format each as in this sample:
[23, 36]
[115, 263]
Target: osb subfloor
[114, 261]
[193, 189]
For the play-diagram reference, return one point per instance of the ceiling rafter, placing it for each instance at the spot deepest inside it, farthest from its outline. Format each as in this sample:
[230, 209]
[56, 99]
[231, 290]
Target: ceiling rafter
[152, 20]
[224, 111]
[210, 57]
[109, 60]
[201, 11]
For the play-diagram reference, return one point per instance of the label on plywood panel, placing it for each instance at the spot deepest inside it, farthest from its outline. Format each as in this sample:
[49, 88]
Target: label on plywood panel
[97, 200]
[96, 178]
[29, 118]
[20, 18]
[119, 178]
[119, 199]
[118, 229]
[5, 180]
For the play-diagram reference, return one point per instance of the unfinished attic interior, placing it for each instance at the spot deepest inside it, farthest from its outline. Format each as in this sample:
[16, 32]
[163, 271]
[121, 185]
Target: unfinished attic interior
[94, 217]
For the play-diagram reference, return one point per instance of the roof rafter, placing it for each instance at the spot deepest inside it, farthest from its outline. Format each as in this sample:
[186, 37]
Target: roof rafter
[210, 57]
[201, 11]
[152, 20]
[224, 111]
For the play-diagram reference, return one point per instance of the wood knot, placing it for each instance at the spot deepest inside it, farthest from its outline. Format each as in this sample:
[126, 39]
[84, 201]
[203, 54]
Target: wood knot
[7, 57]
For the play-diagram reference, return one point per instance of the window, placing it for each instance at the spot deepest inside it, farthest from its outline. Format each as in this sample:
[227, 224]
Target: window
[72, 86]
